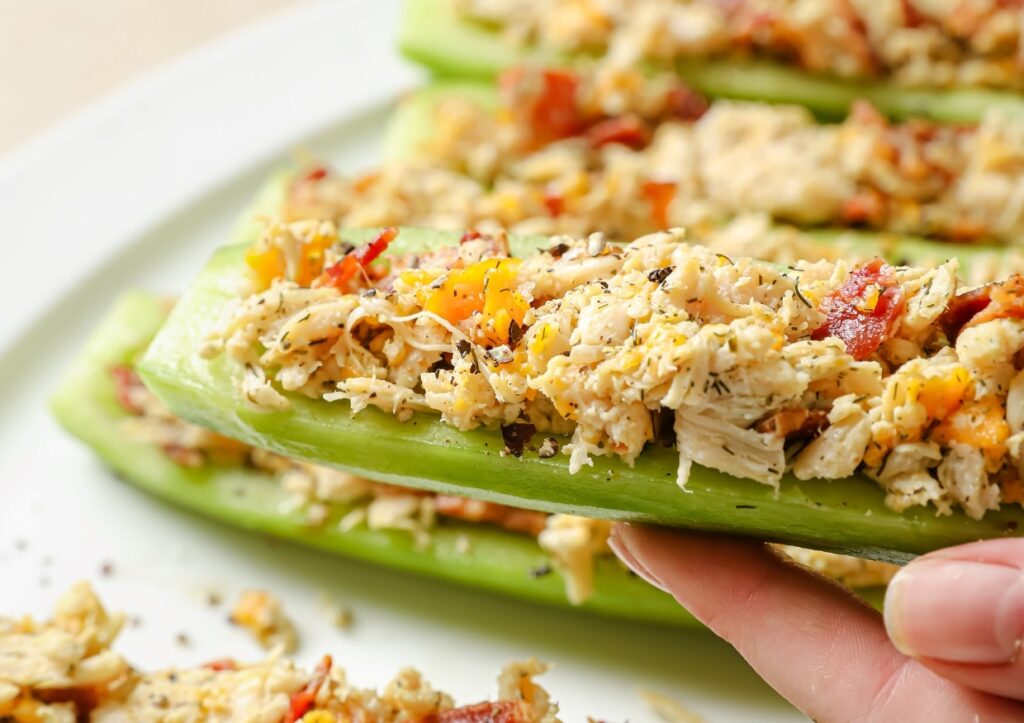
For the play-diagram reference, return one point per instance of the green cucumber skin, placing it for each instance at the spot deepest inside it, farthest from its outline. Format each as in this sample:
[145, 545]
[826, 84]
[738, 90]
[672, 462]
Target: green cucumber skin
[431, 33]
[841, 515]
[499, 561]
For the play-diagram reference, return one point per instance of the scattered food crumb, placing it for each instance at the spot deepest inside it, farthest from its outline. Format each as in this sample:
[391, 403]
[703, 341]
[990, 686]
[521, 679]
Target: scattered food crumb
[181, 639]
[317, 514]
[540, 571]
[135, 621]
[44, 581]
[213, 599]
[20, 545]
[261, 614]
[106, 568]
[548, 448]
[352, 519]
[338, 615]
[668, 709]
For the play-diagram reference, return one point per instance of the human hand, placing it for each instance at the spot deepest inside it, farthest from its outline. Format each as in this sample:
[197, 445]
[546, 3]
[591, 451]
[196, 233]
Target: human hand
[955, 621]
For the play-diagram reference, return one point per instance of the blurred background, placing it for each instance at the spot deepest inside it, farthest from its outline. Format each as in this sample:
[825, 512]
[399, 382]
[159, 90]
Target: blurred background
[56, 55]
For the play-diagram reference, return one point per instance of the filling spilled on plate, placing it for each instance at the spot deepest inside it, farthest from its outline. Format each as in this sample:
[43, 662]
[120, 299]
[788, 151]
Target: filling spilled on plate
[64, 670]
[821, 369]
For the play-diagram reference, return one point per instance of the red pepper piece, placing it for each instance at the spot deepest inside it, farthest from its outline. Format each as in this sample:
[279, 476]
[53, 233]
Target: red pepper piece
[543, 103]
[303, 700]
[341, 273]
[862, 330]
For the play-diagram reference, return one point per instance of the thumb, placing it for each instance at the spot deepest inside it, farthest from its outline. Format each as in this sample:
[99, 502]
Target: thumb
[960, 611]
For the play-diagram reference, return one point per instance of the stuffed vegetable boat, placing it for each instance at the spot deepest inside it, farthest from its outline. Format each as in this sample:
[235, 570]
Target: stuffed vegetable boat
[64, 670]
[869, 408]
[556, 559]
[550, 151]
[948, 60]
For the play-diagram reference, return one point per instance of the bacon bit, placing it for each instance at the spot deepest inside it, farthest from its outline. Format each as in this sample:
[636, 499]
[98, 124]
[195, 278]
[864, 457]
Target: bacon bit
[304, 700]
[685, 104]
[184, 456]
[966, 230]
[625, 130]
[502, 711]
[316, 173]
[862, 330]
[126, 381]
[912, 17]
[793, 423]
[554, 204]
[660, 195]
[962, 308]
[543, 103]
[470, 236]
[867, 207]
[340, 274]
[221, 664]
[1004, 300]
[864, 113]
[513, 519]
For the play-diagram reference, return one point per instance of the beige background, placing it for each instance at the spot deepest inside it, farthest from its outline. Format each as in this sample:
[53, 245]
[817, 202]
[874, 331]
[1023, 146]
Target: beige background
[58, 54]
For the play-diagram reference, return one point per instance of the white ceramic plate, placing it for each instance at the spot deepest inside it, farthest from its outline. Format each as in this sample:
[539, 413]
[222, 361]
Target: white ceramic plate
[135, 192]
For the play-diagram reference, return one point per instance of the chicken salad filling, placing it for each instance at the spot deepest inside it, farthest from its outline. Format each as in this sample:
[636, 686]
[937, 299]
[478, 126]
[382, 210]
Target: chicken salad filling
[64, 670]
[915, 43]
[565, 154]
[820, 369]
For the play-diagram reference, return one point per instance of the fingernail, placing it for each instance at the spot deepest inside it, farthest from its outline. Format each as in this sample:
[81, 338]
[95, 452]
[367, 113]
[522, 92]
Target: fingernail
[957, 611]
[620, 547]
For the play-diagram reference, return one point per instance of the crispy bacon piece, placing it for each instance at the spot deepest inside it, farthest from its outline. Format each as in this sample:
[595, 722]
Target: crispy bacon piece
[863, 310]
[867, 207]
[685, 104]
[554, 204]
[340, 275]
[994, 301]
[126, 381]
[501, 711]
[793, 423]
[303, 700]
[543, 102]
[513, 519]
[659, 194]
[625, 130]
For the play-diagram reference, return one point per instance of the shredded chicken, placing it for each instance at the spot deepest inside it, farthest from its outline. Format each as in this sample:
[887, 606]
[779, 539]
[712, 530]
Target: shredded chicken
[64, 671]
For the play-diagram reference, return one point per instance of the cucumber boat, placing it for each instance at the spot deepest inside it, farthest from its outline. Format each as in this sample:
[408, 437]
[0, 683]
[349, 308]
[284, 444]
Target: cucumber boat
[436, 35]
[843, 515]
[474, 555]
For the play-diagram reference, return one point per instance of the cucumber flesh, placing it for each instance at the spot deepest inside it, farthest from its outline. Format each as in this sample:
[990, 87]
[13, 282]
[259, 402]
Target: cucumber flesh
[842, 515]
[499, 561]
